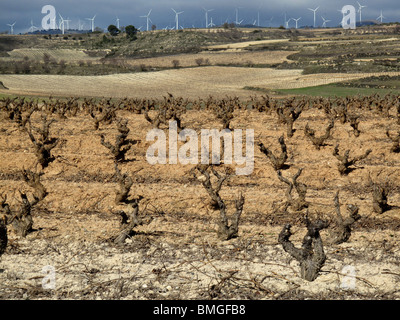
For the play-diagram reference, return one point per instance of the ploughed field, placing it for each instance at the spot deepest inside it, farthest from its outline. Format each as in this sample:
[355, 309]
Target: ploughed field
[176, 253]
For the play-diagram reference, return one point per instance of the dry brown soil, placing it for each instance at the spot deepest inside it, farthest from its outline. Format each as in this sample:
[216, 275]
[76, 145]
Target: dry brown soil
[177, 255]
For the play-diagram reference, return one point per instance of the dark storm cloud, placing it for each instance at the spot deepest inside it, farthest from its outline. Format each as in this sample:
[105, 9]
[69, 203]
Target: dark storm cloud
[129, 11]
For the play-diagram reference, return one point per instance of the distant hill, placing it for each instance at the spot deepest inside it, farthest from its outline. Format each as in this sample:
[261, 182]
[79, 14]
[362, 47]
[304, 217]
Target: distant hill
[58, 31]
[367, 23]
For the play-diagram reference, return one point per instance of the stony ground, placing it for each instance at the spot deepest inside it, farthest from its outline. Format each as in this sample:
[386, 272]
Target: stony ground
[176, 254]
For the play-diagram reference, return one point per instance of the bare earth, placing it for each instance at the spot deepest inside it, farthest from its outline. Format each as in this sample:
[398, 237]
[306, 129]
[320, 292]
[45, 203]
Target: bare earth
[188, 82]
[177, 255]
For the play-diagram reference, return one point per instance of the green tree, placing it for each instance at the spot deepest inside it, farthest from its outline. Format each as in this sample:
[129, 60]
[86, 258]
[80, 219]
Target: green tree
[131, 32]
[113, 30]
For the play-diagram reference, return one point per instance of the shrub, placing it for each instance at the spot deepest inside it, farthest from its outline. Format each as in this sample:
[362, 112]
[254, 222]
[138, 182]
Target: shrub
[175, 63]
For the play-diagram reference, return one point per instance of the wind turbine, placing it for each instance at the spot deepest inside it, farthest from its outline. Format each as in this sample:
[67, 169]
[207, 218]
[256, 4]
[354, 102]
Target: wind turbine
[67, 21]
[147, 19]
[207, 11]
[117, 22]
[258, 14]
[315, 11]
[237, 15]
[287, 23]
[32, 28]
[381, 17]
[296, 21]
[211, 23]
[62, 25]
[325, 21]
[177, 18]
[270, 21]
[360, 9]
[80, 25]
[12, 27]
[92, 20]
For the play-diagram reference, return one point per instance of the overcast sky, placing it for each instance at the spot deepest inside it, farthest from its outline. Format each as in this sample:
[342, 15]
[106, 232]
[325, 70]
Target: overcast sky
[269, 13]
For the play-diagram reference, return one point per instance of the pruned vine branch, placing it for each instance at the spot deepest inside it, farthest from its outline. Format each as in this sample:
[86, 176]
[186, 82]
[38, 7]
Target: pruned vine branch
[345, 162]
[277, 162]
[299, 203]
[226, 230]
[341, 232]
[311, 255]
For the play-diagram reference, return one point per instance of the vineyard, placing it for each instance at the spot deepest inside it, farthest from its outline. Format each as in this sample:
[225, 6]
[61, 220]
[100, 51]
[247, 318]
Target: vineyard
[79, 196]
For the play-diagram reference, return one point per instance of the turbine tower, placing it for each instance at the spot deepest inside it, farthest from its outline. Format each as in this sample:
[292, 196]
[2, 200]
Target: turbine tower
[12, 27]
[325, 21]
[207, 11]
[360, 9]
[92, 20]
[147, 19]
[117, 22]
[381, 17]
[177, 18]
[315, 11]
[296, 21]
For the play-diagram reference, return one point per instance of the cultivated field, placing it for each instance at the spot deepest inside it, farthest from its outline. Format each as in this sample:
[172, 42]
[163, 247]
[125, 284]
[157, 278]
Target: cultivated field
[85, 196]
[68, 55]
[176, 254]
[204, 81]
[220, 57]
